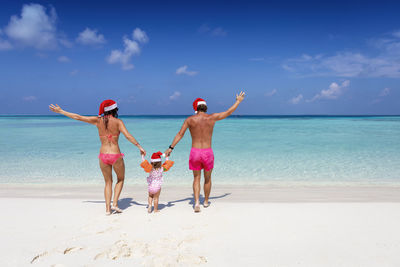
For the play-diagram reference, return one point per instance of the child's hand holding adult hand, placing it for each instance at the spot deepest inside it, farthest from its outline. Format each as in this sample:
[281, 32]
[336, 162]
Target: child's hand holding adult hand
[142, 151]
[168, 152]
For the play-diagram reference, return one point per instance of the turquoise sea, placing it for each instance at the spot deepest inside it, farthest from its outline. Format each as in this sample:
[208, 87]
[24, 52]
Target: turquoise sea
[248, 150]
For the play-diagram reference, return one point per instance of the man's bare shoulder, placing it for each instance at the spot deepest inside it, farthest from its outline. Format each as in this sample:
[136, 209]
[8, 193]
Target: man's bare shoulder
[197, 117]
[213, 116]
[189, 119]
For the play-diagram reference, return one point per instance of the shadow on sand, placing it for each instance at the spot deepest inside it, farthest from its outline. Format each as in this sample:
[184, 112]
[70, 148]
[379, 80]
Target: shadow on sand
[125, 203]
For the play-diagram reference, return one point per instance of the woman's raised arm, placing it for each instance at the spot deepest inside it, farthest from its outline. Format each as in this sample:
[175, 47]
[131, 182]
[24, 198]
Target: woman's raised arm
[89, 119]
[131, 139]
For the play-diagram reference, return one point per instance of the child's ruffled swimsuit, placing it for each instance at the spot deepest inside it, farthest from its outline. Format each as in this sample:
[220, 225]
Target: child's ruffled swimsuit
[155, 179]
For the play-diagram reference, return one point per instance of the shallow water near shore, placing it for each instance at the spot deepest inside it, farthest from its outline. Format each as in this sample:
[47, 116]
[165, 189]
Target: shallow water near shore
[248, 150]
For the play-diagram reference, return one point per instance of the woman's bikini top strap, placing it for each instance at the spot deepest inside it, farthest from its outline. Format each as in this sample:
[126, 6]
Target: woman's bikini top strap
[109, 136]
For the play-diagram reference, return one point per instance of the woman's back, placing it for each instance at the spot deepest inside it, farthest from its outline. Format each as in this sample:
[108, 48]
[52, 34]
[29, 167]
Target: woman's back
[108, 127]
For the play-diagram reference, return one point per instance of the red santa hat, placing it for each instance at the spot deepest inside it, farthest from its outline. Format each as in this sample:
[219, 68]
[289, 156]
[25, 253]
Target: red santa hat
[156, 157]
[107, 105]
[197, 102]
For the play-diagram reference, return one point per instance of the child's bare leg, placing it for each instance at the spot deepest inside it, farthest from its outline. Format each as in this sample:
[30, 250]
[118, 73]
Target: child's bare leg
[150, 203]
[156, 197]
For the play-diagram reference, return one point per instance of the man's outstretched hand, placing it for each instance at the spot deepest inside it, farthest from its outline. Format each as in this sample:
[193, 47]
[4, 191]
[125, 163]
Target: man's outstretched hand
[240, 97]
[168, 152]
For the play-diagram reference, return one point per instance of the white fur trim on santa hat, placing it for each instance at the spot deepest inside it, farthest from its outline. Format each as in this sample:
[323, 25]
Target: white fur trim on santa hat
[201, 103]
[155, 160]
[113, 106]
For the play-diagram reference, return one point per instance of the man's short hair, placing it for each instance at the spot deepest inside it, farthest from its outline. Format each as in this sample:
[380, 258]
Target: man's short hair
[202, 108]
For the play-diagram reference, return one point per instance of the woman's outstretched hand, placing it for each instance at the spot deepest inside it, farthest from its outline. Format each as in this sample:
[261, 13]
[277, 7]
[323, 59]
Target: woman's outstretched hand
[55, 108]
[142, 151]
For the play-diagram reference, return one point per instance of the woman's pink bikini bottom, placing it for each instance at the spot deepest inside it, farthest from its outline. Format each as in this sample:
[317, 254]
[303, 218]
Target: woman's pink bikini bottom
[110, 159]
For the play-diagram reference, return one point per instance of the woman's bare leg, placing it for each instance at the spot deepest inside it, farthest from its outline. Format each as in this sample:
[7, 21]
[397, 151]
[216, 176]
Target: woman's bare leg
[119, 168]
[150, 203]
[156, 197]
[107, 173]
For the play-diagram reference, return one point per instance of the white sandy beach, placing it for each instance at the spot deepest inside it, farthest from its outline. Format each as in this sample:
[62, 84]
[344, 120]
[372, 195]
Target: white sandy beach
[244, 226]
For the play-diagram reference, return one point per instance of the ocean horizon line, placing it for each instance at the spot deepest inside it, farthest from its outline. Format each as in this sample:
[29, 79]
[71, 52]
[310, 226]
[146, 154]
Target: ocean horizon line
[233, 116]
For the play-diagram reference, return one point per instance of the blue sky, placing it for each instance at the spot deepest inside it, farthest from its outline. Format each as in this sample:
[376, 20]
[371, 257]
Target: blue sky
[291, 57]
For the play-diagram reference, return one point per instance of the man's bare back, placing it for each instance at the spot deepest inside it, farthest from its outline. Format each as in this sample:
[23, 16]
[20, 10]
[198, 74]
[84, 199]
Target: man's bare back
[201, 127]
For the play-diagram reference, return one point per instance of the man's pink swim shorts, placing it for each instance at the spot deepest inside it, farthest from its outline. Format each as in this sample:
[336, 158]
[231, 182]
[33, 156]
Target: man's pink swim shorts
[201, 158]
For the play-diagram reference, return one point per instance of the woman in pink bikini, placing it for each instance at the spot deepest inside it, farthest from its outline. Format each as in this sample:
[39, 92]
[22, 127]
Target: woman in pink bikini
[110, 156]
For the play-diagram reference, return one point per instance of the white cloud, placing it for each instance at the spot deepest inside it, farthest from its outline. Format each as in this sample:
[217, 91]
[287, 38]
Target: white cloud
[74, 72]
[385, 63]
[65, 42]
[385, 92]
[396, 33]
[175, 95]
[333, 92]
[63, 59]
[218, 31]
[140, 36]
[257, 59]
[296, 100]
[34, 27]
[42, 55]
[90, 37]
[5, 45]
[288, 68]
[184, 70]
[29, 98]
[131, 48]
[271, 93]
[203, 28]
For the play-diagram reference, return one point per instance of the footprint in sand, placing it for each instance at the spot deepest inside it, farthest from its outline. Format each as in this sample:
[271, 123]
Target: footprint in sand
[120, 249]
[41, 255]
[189, 260]
[72, 249]
[104, 231]
[100, 255]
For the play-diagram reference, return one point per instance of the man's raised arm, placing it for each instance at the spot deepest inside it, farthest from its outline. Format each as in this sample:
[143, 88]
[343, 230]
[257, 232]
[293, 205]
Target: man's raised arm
[223, 115]
[177, 138]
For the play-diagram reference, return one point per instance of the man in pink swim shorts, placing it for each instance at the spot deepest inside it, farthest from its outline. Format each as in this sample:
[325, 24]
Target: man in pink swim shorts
[201, 158]
[201, 128]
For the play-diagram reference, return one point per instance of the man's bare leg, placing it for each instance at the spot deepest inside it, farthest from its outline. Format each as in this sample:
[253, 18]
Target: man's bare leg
[207, 187]
[196, 189]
